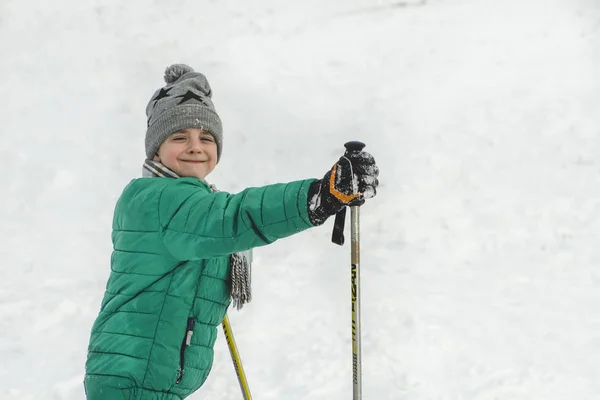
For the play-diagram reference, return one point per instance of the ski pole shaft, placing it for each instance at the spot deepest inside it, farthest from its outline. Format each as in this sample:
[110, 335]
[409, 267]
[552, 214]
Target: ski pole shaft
[235, 357]
[355, 274]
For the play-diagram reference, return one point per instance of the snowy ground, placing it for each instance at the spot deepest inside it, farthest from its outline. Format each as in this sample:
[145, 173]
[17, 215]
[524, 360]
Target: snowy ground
[479, 255]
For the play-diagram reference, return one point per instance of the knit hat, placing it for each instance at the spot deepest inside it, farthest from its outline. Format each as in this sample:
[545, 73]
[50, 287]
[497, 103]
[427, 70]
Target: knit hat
[185, 102]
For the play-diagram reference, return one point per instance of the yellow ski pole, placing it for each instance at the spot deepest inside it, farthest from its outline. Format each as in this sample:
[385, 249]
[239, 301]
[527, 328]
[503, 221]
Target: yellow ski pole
[235, 357]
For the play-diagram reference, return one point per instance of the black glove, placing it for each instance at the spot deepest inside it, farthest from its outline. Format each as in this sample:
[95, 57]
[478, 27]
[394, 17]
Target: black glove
[351, 181]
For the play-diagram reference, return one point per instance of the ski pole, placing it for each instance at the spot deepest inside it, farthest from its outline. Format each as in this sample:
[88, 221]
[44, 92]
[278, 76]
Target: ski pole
[355, 289]
[235, 357]
[338, 238]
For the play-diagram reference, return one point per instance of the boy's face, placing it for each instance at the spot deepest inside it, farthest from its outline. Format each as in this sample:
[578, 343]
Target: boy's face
[189, 152]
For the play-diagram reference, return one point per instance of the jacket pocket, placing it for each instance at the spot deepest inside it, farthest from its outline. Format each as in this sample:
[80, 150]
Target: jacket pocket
[187, 340]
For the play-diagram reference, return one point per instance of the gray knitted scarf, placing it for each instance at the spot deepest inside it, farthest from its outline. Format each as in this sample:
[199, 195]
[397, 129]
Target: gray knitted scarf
[240, 262]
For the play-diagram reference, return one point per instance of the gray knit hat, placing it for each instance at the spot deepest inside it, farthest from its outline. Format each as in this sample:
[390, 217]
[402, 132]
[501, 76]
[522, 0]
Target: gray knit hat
[185, 102]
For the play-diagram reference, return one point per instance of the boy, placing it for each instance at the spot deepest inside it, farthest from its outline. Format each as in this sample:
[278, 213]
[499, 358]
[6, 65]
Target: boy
[177, 261]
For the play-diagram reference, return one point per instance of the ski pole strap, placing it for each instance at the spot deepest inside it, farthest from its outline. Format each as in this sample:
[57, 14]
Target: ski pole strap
[337, 236]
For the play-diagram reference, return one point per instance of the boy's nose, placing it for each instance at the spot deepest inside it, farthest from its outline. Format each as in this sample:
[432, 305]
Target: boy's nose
[194, 146]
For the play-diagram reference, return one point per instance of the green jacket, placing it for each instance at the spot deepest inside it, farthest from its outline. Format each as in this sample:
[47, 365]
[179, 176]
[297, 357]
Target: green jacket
[170, 274]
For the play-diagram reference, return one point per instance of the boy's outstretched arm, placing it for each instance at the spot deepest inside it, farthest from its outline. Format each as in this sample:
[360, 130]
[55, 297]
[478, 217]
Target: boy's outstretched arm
[199, 224]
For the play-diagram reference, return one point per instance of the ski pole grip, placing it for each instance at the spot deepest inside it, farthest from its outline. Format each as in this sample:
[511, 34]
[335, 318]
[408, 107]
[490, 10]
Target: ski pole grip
[354, 146]
[337, 235]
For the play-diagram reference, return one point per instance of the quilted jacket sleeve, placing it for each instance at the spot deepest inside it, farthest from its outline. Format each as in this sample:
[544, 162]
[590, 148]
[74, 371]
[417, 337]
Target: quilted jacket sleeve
[197, 223]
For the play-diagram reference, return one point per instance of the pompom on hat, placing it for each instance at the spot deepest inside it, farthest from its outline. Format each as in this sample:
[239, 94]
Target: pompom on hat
[185, 102]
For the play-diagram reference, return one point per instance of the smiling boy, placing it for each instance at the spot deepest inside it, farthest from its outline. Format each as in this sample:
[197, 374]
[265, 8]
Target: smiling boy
[177, 264]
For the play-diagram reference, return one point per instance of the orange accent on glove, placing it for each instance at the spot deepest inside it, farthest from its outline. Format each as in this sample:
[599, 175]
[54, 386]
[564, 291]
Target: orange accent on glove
[344, 198]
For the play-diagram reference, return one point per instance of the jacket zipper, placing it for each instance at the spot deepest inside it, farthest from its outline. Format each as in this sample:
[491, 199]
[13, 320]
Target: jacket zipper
[187, 340]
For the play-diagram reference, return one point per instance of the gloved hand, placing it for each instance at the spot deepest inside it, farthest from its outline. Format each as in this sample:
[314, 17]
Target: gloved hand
[351, 181]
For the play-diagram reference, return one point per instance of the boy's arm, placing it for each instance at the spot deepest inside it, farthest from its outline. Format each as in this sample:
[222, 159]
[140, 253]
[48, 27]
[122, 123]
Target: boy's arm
[198, 224]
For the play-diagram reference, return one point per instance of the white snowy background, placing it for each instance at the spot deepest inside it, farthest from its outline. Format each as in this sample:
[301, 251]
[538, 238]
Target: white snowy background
[480, 257]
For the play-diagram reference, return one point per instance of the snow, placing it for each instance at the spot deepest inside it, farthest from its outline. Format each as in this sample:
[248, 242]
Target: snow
[479, 261]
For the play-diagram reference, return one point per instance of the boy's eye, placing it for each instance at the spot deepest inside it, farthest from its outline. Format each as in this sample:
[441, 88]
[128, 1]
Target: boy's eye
[207, 138]
[178, 138]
